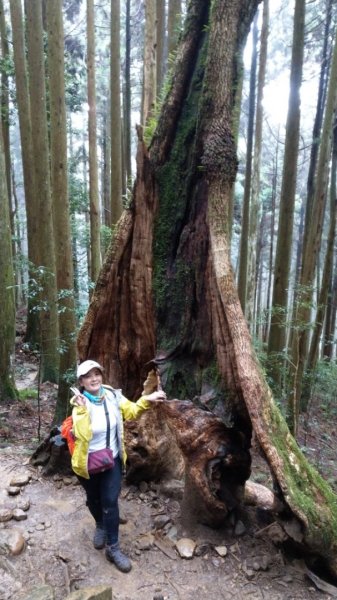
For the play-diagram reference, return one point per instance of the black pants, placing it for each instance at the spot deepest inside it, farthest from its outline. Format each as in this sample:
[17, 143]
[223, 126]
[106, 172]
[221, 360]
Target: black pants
[102, 492]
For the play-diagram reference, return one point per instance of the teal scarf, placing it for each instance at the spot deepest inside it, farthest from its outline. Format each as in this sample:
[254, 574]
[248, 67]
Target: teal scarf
[95, 399]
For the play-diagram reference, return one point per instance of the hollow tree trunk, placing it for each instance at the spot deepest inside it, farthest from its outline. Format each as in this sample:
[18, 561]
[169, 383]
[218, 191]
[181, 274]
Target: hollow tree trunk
[167, 284]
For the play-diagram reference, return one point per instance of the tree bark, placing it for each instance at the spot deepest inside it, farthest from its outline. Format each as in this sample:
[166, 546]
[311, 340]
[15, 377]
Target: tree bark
[95, 219]
[173, 26]
[317, 128]
[310, 256]
[245, 226]
[327, 271]
[150, 68]
[160, 62]
[46, 267]
[330, 319]
[31, 203]
[278, 326]
[127, 95]
[106, 170]
[5, 105]
[116, 135]
[253, 255]
[7, 304]
[61, 212]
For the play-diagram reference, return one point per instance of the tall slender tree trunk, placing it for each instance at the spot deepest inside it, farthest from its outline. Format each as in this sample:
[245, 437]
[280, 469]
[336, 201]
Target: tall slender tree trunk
[242, 279]
[330, 320]
[271, 243]
[116, 131]
[61, 211]
[127, 95]
[95, 220]
[252, 265]
[160, 56]
[31, 201]
[20, 295]
[310, 256]
[258, 284]
[316, 132]
[4, 111]
[173, 26]
[106, 175]
[7, 304]
[150, 67]
[327, 271]
[5, 104]
[278, 326]
[46, 266]
[316, 138]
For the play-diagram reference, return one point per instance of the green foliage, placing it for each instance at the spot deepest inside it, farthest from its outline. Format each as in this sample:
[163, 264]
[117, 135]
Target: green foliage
[271, 364]
[63, 345]
[69, 376]
[78, 196]
[151, 125]
[75, 73]
[7, 66]
[106, 234]
[27, 394]
[322, 384]
[64, 294]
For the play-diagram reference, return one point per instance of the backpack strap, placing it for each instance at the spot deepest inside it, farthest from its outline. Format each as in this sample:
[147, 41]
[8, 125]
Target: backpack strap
[107, 424]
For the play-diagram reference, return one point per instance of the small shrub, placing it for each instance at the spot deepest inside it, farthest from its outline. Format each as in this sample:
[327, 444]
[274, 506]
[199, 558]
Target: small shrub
[27, 394]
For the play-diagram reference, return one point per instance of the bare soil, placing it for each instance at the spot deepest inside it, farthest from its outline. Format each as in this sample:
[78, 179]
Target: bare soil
[58, 529]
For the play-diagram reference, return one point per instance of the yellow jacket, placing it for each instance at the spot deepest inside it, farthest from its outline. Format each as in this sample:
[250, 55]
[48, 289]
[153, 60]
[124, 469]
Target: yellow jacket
[123, 408]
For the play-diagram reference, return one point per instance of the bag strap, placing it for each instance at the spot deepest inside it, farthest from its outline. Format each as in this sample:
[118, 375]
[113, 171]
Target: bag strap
[107, 424]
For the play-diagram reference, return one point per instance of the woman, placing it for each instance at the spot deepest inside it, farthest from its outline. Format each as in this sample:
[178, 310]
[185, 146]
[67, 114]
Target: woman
[97, 410]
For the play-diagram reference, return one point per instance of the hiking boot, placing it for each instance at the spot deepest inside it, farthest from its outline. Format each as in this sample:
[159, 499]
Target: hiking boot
[99, 538]
[115, 555]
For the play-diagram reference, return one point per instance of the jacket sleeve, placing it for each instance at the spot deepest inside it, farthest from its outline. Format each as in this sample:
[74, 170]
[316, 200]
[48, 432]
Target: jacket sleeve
[83, 435]
[133, 410]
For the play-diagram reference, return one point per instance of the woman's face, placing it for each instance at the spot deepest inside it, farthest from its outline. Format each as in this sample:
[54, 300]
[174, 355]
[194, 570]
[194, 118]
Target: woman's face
[92, 381]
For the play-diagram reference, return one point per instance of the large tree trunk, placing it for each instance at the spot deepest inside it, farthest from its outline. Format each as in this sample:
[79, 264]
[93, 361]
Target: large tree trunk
[327, 270]
[95, 219]
[115, 115]
[311, 250]
[31, 201]
[255, 245]
[45, 275]
[5, 55]
[7, 306]
[61, 211]
[279, 318]
[173, 26]
[127, 94]
[246, 203]
[160, 62]
[149, 64]
[167, 283]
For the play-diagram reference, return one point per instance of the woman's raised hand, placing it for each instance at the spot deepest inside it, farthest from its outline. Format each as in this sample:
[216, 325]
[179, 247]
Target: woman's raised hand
[78, 397]
[159, 396]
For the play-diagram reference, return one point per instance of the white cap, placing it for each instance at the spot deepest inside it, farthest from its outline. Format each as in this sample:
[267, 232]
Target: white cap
[86, 366]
